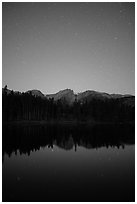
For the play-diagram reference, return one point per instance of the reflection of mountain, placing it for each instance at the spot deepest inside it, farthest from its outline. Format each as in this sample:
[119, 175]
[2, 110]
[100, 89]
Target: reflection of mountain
[31, 138]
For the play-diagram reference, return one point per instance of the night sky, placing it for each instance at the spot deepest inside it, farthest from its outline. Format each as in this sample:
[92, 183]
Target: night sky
[81, 46]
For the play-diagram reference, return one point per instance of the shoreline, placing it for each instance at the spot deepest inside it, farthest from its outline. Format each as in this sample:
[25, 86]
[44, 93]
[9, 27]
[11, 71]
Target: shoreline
[65, 122]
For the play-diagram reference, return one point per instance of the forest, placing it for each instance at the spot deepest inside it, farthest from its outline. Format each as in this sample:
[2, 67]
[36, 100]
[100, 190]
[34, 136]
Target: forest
[26, 107]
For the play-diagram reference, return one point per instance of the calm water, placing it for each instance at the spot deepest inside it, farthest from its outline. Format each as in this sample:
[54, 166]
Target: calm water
[68, 163]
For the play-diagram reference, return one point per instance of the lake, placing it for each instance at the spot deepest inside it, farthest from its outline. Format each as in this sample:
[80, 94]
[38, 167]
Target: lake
[68, 163]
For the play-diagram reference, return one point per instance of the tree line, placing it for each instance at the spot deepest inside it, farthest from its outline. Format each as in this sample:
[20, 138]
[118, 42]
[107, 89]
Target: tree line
[25, 106]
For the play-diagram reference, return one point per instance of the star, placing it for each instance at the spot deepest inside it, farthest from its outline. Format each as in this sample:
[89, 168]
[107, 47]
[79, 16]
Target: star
[115, 38]
[122, 10]
[129, 23]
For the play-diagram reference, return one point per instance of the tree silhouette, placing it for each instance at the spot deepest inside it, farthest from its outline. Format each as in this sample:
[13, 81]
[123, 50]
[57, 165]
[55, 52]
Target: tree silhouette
[25, 106]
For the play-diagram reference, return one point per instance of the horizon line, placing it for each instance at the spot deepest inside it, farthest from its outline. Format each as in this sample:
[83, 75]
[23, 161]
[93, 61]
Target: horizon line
[75, 92]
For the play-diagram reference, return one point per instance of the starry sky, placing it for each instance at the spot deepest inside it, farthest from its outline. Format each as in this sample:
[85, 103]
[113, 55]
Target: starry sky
[81, 46]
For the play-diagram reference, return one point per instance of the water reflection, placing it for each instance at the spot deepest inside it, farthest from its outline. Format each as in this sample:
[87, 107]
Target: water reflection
[87, 163]
[30, 138]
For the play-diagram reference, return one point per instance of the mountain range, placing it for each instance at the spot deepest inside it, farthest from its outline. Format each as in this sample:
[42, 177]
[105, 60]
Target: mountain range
[69, 96]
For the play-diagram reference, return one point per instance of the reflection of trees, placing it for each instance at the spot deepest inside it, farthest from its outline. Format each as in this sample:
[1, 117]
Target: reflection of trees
[30, 138]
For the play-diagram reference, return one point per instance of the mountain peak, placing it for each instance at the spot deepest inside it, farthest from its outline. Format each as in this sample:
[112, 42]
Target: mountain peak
[66, 94]
[65, 91]
[69, 96]
[35, 92]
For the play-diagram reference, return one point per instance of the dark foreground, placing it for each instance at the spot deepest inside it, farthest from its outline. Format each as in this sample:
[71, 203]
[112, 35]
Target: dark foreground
[68, 162]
